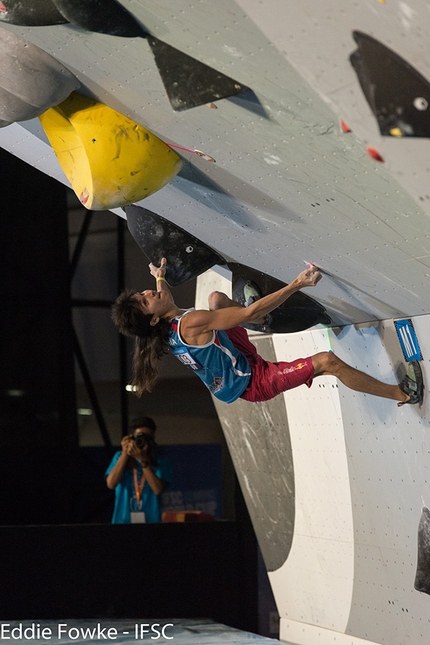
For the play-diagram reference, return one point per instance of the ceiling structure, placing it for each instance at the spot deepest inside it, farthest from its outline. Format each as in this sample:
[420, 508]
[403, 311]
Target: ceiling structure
[293, 181]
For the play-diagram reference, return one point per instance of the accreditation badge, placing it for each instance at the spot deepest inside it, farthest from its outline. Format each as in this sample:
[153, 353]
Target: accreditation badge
[137, 517]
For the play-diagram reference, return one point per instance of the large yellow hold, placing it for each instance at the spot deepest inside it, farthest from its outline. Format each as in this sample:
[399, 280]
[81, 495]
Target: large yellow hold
[110, 160]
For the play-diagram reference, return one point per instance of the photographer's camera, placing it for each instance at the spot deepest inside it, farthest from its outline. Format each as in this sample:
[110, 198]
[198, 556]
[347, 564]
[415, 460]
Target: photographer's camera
[142, 440]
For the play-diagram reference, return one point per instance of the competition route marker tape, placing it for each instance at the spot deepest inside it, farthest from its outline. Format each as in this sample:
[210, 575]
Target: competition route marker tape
[199, 153]
[311, 265]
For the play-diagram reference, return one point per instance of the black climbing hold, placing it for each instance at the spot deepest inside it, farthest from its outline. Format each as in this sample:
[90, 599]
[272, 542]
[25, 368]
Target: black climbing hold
[29, 13]
[422, 577]
[101, 16]
[297, 313]
[398, 95]
[187, 81]
[187, 257]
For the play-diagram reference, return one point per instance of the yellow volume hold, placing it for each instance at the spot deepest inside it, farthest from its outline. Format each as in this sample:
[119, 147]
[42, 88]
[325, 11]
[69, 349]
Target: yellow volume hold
[109, 160]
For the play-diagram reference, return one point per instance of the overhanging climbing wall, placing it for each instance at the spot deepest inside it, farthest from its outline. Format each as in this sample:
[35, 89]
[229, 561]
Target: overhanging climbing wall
[335, 482]
[288, 184]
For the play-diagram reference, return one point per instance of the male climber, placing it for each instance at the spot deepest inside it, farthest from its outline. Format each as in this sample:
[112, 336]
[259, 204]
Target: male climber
[217, 348]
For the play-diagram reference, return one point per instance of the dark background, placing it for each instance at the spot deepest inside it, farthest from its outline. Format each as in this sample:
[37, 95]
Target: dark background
[55, 561]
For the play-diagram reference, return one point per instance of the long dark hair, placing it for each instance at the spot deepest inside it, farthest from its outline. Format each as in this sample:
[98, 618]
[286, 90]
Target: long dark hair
[151, 341]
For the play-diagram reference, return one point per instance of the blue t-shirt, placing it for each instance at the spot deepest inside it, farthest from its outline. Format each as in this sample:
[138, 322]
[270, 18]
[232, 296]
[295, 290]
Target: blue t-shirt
[223, 369]
[125, 494]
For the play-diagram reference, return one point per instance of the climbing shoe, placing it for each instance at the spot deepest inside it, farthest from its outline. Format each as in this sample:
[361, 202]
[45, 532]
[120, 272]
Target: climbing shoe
[251, 293]
[412, 384]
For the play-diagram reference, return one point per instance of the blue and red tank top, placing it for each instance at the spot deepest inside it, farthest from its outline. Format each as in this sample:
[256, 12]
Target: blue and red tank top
[223, 369]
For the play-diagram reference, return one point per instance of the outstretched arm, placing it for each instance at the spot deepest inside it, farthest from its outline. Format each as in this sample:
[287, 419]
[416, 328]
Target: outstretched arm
[307, 278]
[198, 323]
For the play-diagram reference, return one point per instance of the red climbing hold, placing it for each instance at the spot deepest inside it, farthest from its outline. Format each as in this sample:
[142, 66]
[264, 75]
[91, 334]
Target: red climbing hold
[345, 128]
[372, 152]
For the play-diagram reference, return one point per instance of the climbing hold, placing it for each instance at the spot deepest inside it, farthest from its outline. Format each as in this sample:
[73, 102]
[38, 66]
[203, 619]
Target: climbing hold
[187, 81]
[422, 577]
[187, 257]
[397, 93]
[31, 80]
[109, 159]
[204, 156]
[29, 13]
[101, 16]
[344, 127]
[372, 152]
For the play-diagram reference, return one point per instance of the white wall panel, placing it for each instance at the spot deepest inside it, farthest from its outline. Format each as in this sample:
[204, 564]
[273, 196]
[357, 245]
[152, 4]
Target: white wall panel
[315, 583]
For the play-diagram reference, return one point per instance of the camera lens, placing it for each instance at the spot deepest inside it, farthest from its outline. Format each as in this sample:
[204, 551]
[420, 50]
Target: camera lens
[141, 440]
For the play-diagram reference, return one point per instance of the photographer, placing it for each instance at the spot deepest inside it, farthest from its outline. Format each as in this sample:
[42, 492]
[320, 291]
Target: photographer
[137, 476]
